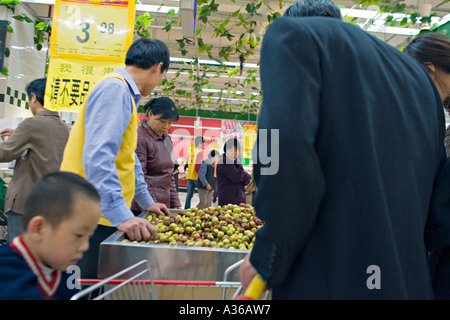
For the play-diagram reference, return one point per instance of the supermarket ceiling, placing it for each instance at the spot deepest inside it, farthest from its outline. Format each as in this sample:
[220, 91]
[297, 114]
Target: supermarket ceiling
[393, 28]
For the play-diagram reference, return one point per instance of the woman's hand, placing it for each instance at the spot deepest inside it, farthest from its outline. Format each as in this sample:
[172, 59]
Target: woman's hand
[159, 208]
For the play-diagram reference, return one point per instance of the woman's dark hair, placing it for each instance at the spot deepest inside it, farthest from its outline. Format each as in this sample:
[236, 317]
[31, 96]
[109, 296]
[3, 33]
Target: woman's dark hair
[313, 8]
[231, 143]
[162, 106]
[144, 53]
[37, 87]
[52, 197]
[431, 47]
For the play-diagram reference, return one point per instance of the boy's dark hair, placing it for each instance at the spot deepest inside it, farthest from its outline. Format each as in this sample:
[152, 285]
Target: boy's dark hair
[163, 106]
[213, 153]
[52, 197]
[230, 144]
[144, 53]
[313, 8]
[199, 141]
[37, 87]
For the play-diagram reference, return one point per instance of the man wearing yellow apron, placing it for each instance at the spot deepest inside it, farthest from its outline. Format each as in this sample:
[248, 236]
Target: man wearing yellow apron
[194, 162]
[102, 145]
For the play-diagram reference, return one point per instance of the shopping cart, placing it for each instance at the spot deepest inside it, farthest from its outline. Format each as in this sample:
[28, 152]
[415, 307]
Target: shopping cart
[136, 283]
[132, 283]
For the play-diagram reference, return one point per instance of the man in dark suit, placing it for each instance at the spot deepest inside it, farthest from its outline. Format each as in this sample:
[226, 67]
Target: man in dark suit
[360, 129]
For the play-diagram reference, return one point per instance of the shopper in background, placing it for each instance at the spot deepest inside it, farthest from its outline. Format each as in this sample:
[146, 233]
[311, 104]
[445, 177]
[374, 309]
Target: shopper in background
[155, 152]
[61, 213]
[185, 169]
[432, 50]
[37, 145]
[102, 145]
[346, 219]
[214, 199]
[205, 182]
[194, 161]
[176, 173]
[231, 176]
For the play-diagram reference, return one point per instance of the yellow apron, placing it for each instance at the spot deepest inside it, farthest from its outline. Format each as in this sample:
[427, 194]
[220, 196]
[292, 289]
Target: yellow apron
[125, 161]
[192, 174]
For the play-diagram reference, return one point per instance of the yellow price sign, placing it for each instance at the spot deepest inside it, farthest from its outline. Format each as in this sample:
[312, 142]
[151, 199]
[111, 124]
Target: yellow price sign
[89, 39]
[70, 80]
[92, 29]
[250, 134]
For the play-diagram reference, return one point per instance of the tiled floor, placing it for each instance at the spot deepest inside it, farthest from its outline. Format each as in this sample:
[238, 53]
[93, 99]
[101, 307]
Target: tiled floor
[194, 201]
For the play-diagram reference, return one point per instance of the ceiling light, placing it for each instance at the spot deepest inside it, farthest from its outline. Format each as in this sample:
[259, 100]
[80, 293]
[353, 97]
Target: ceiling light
[153, 8]
[214, 62]
[392, 30]
[358, 13]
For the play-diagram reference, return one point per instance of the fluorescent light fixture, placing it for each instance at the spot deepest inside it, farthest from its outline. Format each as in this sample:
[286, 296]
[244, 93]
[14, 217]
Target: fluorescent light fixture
[392, 30]
[139, 7]
[354, 13]
[212, 75]
[153, 8]
[378, 24]
[444, 19]
[370, 14]
[358, 13]
[242, 93]
[213, 62]
[49, 2]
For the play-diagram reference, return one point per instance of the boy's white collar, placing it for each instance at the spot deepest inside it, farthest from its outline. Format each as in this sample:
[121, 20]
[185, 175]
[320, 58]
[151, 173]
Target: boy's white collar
[47, 286]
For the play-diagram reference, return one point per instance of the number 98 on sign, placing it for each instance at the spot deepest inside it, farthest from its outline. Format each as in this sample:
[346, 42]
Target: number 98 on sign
[99, 31]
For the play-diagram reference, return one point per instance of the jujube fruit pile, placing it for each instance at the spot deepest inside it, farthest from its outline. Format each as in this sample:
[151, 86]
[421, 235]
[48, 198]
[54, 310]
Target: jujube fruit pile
[230, 226]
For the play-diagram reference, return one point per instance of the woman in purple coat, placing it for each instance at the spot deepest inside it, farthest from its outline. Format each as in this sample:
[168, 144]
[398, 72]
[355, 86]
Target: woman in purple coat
[231, 177]
[155, 152]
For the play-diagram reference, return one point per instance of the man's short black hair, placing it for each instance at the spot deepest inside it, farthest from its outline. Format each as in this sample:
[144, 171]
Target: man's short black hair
[313, 8]
[144, 53]
[37, 87]
[52, 197]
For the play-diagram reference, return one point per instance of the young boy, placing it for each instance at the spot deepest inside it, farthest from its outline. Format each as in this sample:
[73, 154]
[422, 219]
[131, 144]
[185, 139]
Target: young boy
[205, 182]
[61, 213]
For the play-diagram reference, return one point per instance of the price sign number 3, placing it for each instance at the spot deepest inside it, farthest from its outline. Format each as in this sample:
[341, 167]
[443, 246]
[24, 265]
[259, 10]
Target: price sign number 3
[84, 28]
[92, 31]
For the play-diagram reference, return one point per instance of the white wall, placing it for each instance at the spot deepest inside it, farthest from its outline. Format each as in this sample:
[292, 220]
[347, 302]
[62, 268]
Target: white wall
[25, 64]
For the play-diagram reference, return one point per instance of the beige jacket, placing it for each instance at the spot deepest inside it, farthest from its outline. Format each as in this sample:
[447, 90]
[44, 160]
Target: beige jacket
[37, 145]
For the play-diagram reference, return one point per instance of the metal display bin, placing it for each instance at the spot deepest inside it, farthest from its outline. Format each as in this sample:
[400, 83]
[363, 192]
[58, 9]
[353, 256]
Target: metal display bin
[168, 262]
